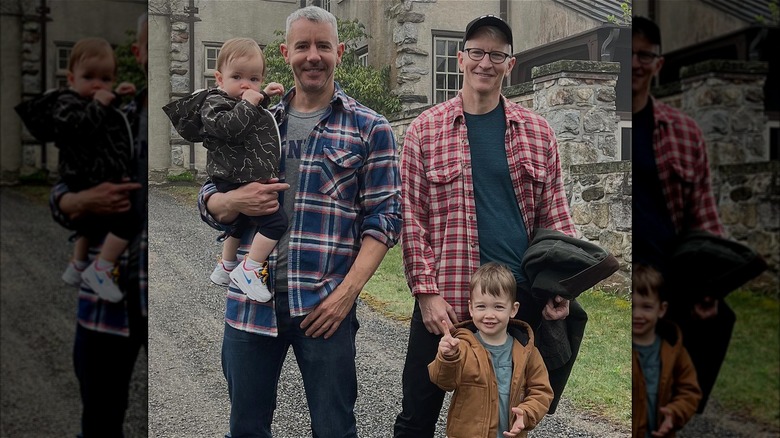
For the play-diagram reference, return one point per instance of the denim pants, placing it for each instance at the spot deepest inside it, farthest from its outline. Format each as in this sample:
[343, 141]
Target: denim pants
[104, 365]
[252, 364]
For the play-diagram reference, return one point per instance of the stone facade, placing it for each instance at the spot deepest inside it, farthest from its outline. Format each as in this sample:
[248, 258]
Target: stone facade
[726, 99]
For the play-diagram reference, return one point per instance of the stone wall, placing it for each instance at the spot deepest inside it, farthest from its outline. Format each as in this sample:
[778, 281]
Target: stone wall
[726, 100]
[749, 205]
[600, 200]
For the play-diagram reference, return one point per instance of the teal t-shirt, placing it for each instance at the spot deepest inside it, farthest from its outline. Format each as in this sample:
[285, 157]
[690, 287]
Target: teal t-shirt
[501, 356]
[650, 362]
[500, 225]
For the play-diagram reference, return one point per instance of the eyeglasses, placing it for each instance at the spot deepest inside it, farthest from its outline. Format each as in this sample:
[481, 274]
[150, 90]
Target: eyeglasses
[645, 57]
[495, 57]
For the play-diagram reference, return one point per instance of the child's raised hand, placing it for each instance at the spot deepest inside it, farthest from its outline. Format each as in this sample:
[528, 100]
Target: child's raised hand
[125, 88]
[667, 425]
[252, 96]
[274, 89]
[448, 346]
[519, 424]
[104, 97]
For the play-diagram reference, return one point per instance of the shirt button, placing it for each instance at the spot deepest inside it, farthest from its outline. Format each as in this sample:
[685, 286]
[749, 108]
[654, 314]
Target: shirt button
[473, 244]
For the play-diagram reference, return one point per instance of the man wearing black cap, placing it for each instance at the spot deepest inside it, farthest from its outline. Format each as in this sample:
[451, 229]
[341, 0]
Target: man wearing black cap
[672, 194]
[479, 175]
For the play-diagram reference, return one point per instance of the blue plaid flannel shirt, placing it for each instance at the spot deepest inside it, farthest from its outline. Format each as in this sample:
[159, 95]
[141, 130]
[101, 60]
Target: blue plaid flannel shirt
[349, 188]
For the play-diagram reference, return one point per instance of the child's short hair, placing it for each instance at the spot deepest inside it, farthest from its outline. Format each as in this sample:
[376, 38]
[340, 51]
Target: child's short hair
[238, 48]
[646, 281]
[494, 279]
[91, 47]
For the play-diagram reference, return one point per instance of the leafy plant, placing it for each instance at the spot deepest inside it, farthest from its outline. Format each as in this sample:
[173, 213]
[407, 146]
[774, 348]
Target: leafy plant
[625, 20]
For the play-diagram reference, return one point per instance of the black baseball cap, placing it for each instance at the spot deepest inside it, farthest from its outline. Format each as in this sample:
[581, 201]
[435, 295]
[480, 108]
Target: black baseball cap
[488, 20]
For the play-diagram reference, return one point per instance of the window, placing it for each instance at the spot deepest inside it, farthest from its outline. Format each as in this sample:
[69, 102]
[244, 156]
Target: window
[62, 51]
[447, 78]
[210, 64]
[624, 140]
[326, 5]
[362, 54]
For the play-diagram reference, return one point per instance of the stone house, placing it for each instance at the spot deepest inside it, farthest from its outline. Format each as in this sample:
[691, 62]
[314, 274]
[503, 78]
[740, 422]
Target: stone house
[721, 69]
[36, 41]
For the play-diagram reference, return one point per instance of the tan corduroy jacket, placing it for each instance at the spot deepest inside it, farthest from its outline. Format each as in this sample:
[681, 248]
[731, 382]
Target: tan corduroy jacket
[474, 406]
[678, 388]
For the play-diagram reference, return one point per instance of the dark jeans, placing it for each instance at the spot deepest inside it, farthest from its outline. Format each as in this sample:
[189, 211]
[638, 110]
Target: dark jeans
[104, 364]
[706, 341]
[252, 364]
[422, 400]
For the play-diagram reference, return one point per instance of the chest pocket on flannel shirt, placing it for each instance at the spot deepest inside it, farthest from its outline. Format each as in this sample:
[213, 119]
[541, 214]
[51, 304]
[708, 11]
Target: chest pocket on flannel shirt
[339, 175]
[533, 178]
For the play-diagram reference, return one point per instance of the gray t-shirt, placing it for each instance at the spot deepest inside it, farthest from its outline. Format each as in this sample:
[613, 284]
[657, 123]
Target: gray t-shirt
[299, 128]
[501, 355]
[650, 362]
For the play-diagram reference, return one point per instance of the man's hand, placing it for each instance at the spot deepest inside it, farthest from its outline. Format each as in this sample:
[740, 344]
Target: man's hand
[706, 308]
[519, 424]
[274, 89]
[252, 96]
[125, 88]
[104, 97]
[104, 198]
[556, 308]
[251, 199]
[435, 309]
[448, 346]
[326, 318]
[667, 425]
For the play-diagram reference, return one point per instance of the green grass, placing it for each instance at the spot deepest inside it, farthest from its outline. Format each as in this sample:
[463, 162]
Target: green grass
[749, 381]
[185, 176]
[601, 378]
[387, 291]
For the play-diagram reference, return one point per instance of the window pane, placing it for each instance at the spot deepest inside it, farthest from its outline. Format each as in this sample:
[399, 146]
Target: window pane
[441, 63]
[439, 81]
[452, 65]
[452, 48]
[440, 96]
[440, 45]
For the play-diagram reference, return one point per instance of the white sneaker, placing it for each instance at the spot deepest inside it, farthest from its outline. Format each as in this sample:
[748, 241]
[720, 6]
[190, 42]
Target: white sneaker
[221, 275]
[252, 282]
[72, 275]
[103, 283]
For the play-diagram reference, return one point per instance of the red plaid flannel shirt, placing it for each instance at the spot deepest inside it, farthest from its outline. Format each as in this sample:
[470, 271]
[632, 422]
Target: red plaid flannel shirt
[684, 171]
[439, 233]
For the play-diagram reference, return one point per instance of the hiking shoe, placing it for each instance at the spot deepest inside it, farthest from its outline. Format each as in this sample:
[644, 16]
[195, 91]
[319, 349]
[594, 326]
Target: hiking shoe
[251, 282]
[221, 275]
[103, 283]
[72, 275]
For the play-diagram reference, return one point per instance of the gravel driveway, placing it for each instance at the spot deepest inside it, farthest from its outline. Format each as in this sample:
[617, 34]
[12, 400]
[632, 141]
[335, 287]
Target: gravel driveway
[188, 395]
[40, 393]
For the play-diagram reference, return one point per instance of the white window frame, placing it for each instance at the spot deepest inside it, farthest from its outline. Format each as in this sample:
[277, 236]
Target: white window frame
[362, 55]
[623, 124]
[62, 55]
[208, 73]
[448, 75]
[325, 4]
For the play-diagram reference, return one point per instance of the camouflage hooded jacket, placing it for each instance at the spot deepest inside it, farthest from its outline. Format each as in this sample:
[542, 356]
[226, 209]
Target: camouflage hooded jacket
[95, 142]
[242, 139]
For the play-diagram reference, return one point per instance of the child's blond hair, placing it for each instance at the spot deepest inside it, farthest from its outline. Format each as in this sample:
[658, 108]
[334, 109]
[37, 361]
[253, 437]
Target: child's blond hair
[494, 279]
[92, 47]
[235, 48]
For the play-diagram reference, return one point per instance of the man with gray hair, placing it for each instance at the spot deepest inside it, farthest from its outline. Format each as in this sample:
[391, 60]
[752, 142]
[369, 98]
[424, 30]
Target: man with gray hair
[341, 161]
